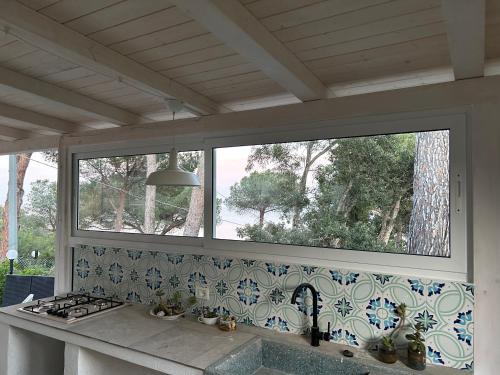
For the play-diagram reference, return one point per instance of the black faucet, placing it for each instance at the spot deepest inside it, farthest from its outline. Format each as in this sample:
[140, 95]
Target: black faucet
[316, 335]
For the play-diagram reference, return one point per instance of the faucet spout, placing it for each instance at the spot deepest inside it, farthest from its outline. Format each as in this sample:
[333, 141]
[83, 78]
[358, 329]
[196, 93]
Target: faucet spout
[314, 293]
[316, 335]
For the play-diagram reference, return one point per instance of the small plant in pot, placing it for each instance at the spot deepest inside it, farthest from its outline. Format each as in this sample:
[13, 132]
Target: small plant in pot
[416, 348]
[170, 308]
[208, 316]
[387, 350]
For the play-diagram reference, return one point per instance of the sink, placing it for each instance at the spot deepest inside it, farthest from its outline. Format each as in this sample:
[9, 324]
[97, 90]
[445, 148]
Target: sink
[268, 357]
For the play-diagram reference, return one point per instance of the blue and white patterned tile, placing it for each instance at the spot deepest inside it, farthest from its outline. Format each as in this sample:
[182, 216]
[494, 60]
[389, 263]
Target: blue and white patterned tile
[360, 306]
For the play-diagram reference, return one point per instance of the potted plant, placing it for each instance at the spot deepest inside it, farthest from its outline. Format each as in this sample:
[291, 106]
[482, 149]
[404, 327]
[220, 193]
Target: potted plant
[398, 335]
[172, 307]
[208, 316]
[416, 348]
[387, 350]
[227, 322]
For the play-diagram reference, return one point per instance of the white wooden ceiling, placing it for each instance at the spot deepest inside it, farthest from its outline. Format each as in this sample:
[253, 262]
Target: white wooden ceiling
[73, 65]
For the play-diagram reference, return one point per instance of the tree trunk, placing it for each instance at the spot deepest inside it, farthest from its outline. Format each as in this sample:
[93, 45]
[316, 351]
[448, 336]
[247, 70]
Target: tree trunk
[303, 184]
[262, 212]
[429, 221]
[23, 161]
[150, 197]
[388, 222]
[194, 218]
[120, 209]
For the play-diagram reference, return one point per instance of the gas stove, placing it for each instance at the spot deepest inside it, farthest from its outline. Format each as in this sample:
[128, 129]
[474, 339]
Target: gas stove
[71, 307]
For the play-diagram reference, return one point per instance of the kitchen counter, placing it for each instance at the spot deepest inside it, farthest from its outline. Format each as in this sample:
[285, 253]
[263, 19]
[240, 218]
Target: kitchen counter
[183, 346]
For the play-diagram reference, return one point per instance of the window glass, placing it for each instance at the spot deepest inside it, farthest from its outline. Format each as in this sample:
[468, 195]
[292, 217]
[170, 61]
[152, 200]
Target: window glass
[113, 196]
[386, 193]
[27, 247]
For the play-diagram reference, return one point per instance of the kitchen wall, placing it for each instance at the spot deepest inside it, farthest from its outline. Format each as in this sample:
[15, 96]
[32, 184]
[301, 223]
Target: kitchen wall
[360, 306]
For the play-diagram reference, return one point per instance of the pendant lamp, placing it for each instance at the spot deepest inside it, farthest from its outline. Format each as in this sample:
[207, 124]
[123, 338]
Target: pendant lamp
[173, 175]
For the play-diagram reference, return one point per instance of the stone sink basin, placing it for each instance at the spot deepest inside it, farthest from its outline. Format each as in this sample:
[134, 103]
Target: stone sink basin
[269, 357]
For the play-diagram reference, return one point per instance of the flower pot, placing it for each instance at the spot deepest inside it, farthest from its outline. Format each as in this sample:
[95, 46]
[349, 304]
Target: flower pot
[416, 359]
[228, 324]
[387, 355]
[208, 321]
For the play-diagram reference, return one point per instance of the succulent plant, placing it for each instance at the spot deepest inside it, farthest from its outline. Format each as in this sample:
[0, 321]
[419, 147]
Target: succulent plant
[387, 343]
[207, 313]
[417, 342]
[171, 305]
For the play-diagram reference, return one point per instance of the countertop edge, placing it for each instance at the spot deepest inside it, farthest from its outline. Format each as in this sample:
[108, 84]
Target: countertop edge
[113, 350]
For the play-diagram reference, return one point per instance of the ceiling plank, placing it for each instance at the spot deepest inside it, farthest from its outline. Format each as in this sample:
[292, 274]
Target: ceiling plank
[40, 120]
[10, 134]
[59, 95]
[39, 30]
[233, 24]
[465, 21]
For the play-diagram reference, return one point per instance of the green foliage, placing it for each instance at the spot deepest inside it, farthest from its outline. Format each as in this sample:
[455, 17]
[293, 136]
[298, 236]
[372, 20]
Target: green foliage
[261, 192]
[42, 203]
[107, 183]
[359, 198]
[19, 270]
[387, 342]
[417, 342]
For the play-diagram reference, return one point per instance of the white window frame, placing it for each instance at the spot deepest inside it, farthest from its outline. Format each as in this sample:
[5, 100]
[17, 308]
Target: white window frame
[101, 151]
[453, 268]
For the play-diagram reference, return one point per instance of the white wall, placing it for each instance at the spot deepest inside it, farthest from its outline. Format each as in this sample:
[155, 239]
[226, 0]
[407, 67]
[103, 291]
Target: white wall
[485, 157]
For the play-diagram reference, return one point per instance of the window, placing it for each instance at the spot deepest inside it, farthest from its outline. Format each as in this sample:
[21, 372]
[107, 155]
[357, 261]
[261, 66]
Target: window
[27, 225]
[113, 196]
[367, 193]
[386, 193]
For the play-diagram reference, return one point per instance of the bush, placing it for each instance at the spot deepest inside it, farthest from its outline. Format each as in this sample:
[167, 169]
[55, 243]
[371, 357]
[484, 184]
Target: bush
[20, 270]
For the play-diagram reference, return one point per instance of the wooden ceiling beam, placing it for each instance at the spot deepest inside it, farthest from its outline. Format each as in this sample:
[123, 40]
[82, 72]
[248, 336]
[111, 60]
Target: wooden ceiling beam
[234, 25]
[51, 93]
[9, 134]
[38, 143]
[38, 119]
[44, 33]
[465, 20]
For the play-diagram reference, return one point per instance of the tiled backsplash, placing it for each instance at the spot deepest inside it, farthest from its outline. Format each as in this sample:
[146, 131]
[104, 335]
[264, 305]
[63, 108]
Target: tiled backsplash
[360, 306]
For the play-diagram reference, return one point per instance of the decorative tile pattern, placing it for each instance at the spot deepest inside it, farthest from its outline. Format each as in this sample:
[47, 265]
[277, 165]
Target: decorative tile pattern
[360, 306]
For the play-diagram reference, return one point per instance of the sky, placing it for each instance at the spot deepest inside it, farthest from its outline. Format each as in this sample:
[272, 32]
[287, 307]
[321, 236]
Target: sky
[230, 166]
[38, 169]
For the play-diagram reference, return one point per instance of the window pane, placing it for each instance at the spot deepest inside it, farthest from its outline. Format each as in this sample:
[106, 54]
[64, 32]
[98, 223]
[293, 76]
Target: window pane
[387, 193]
[35, 194]
[113, 196]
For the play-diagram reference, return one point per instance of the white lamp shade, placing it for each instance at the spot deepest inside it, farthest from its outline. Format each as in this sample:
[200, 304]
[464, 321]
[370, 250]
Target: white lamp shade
[173, 175]
[173, 178]
[11, 254]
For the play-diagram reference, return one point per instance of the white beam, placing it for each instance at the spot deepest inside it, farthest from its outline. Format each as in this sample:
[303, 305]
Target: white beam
[9, 134]
[51, 36]
[38, 119]
[233, 24]
[453, 94]
[465, 20]
[39, 143]
[54, 94]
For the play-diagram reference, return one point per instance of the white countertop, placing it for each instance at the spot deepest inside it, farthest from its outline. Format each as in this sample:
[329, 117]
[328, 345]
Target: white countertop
[183, 346]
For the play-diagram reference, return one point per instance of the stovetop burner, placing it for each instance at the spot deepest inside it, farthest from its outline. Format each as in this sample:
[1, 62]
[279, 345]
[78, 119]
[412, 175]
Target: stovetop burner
[72, 307]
